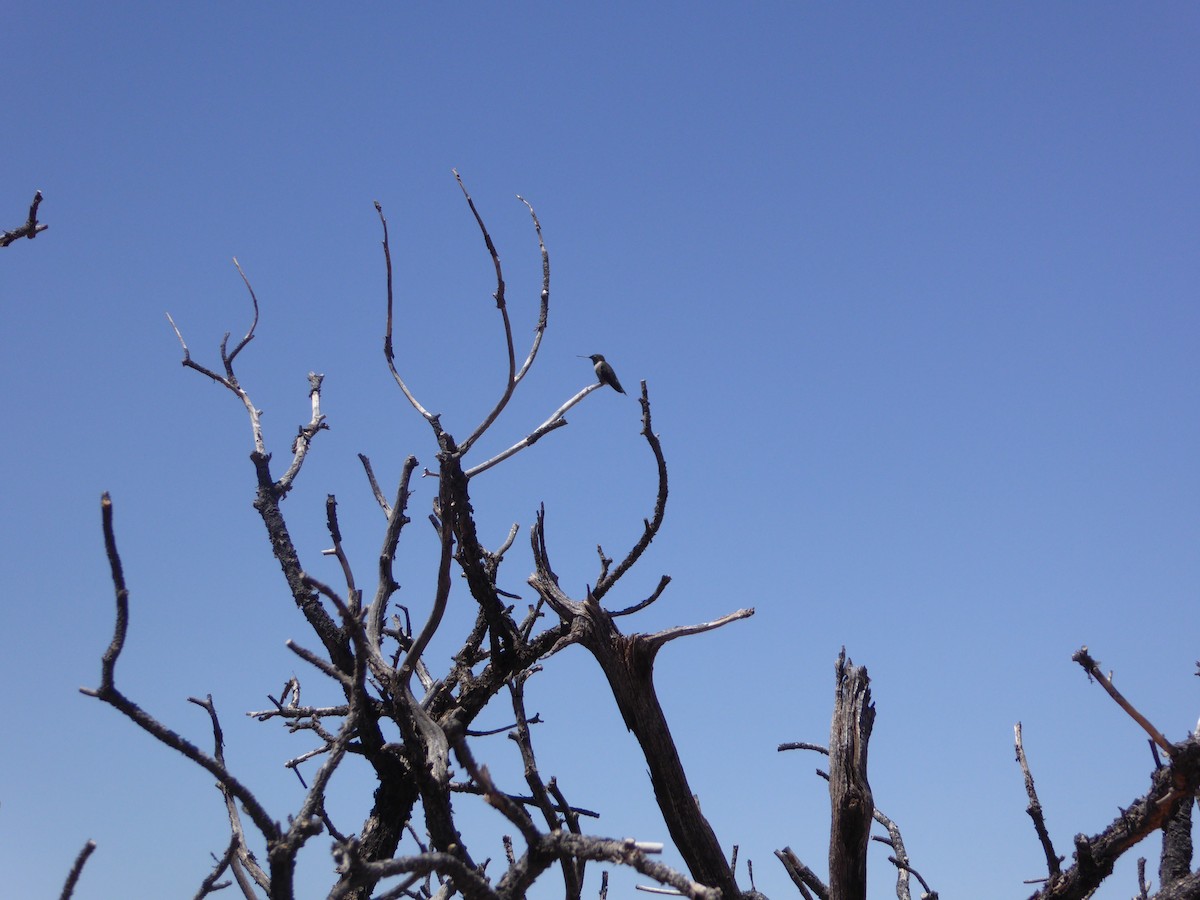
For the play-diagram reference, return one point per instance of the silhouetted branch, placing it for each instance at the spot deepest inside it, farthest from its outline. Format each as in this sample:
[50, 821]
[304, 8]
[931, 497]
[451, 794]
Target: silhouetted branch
[651, 526]
[31, 229]
[389, 352]
[80, 860]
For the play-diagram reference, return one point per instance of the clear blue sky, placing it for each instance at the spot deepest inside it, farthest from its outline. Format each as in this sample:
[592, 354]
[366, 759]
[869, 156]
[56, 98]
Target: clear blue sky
[914, 288]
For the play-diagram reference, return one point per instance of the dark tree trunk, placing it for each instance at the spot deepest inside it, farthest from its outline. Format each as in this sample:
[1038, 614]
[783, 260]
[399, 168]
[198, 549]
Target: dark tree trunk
[849, 792]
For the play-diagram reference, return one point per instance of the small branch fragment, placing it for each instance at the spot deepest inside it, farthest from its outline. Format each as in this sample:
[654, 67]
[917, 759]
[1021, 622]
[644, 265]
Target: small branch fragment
[802, 876]
[80, 861]
[31, 229]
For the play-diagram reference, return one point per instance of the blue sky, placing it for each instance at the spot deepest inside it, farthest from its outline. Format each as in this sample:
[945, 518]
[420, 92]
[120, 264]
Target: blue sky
[914, 291]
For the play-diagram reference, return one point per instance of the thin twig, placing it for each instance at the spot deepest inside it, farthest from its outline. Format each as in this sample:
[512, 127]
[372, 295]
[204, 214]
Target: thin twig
[388, 348]
[76, 870]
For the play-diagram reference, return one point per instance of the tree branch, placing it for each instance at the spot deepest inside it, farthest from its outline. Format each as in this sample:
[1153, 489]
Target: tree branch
[32, 228]
[81, 859]
[1092, 667]
[1035, 809]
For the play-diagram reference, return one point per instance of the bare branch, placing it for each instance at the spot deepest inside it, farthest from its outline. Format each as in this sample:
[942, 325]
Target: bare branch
[496, 798]
[388, 349]
[354, 596]
[1092, 667]
[238, 843]
[32, 228]
[659, 638]
[82, 858]
[660, 505]
[249, 336]
[440, 598]
[555, 420]
[628, 664]
[572, 870]
[802, 876]
[1095, 856]
[108, 693]
[379, 498]
[229, 379]
[803, 745]
[357, 871]
[397, 519]
[904, 868]
[544, 305]
[627, 852]
[305, 436]
[210, 885]
[1035, 808]
[638, 607]
[319, 664]
[511, 384]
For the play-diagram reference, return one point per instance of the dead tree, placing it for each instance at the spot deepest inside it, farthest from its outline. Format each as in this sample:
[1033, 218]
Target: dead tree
[412, 725]
[1165, 807]
[377, 660]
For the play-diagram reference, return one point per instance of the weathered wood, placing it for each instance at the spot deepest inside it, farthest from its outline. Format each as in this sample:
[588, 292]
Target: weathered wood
[849, 792]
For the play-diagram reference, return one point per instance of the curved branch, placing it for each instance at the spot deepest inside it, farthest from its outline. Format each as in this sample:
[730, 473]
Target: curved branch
[443, 591]
[388, 349]
[511, 384]
[397, 519]
[81, 859]
[660, 506]
[544, 304]
[249, 336]
[108, 693]
[305, 436]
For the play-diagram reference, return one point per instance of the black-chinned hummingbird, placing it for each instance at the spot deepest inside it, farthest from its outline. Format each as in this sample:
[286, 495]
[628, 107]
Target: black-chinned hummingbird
[604, 372]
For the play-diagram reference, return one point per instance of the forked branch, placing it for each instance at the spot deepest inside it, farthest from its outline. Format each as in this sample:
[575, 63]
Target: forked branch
[32, 227]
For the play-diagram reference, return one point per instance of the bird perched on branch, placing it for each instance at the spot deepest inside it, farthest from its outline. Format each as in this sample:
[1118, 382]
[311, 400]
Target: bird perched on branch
[604, 372]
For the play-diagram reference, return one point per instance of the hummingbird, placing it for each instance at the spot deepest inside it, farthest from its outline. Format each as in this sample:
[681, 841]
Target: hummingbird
[604, 372]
